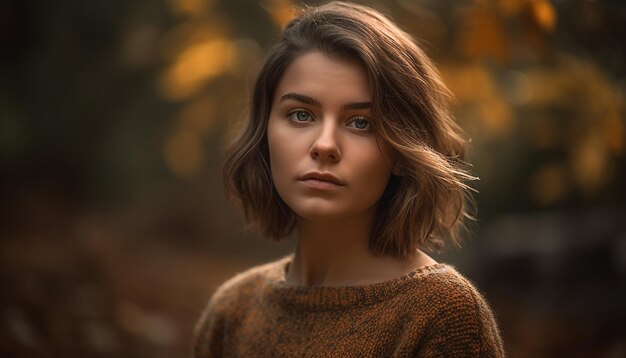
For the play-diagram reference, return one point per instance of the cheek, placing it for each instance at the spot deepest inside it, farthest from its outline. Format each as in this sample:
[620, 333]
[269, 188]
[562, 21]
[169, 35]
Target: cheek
[275, 150]
[373, 171]
[281, 152]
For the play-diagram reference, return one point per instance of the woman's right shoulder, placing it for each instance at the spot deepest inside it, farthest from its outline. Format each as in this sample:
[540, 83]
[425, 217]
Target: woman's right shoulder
[229, 303]
[245, 285]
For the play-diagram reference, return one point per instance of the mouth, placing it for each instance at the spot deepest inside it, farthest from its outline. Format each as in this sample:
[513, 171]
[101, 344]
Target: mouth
[321, 179]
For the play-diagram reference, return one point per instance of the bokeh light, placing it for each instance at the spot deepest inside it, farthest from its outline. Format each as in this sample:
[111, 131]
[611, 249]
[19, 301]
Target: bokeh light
[114, 117]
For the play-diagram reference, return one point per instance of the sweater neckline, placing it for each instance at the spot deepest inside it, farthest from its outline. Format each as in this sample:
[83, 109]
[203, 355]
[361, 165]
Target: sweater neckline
[335, 298]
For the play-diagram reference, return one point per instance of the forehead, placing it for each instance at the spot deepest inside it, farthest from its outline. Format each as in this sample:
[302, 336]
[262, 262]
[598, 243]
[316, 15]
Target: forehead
[328, 79]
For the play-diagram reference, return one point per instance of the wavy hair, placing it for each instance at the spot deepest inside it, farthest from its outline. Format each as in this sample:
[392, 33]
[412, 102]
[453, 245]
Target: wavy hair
[425, 203]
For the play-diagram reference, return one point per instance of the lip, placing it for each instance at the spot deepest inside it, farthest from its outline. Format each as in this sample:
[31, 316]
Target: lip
[321, 179]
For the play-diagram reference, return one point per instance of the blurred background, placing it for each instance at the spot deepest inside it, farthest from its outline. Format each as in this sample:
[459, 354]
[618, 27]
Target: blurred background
[114, 115]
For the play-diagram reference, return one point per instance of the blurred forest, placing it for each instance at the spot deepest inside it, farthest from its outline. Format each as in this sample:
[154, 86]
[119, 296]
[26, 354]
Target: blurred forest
[114, 115]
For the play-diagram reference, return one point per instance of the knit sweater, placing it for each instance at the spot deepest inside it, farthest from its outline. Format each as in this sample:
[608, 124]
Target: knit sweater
[432, 311]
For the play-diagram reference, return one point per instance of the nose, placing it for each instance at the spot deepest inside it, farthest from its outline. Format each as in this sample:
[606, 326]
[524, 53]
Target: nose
[325, 146]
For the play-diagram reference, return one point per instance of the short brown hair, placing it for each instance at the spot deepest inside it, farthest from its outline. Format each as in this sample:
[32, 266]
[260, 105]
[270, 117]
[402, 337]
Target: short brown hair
[424, 204]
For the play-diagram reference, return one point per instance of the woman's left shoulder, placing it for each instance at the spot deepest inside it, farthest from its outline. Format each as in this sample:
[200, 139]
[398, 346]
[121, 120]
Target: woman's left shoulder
[442, 282]
[458, 312]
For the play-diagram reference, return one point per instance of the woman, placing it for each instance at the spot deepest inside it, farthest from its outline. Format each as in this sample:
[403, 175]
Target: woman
[349, 143]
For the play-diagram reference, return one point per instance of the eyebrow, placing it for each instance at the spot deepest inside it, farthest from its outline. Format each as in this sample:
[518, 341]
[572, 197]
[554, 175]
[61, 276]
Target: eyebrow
[300, 98]
[313, 102]
[357, 105]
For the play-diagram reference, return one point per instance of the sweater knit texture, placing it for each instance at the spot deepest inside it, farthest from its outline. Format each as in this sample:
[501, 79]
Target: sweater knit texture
[432, 311]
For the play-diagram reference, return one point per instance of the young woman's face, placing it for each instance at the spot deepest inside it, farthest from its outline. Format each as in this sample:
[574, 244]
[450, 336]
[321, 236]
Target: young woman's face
[326, 162]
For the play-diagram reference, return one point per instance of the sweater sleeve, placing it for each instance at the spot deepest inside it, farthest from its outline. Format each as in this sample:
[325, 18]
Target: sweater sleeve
[209, 331]
[220, 321]
[464, 326]
[491, 344]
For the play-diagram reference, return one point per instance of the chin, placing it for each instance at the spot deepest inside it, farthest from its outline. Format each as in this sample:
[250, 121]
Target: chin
[320, 212]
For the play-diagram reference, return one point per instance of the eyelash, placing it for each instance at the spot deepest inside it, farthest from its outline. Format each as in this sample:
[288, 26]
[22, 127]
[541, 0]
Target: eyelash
[295, 111]
[362, 118]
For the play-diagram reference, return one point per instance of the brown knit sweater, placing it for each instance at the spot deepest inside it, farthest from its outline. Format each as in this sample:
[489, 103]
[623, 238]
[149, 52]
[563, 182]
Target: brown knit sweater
[431, 312]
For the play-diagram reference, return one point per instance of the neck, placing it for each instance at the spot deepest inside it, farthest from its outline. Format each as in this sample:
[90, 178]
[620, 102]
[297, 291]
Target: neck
[336, 253]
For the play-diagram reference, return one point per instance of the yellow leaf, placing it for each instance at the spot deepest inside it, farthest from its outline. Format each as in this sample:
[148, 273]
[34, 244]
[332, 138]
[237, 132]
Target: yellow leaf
[195, 66]
[589, 163]
[482, 34]
[544, 15]
[281, 11]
